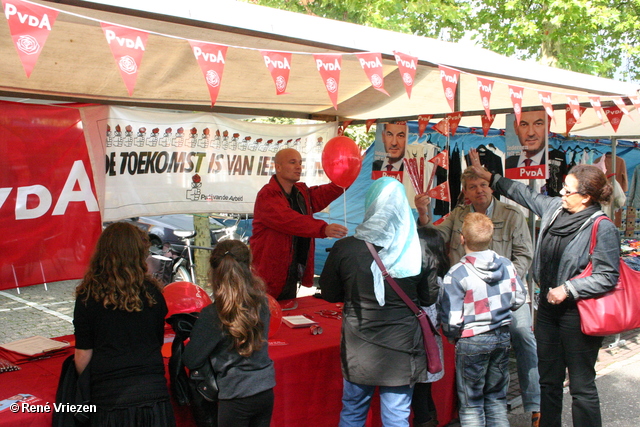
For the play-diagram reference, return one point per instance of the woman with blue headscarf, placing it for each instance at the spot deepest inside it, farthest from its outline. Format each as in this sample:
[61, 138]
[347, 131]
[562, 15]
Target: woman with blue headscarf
[381, 337]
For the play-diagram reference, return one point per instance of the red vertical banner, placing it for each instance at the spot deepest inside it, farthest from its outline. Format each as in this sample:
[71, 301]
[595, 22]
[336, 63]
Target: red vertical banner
[545, 98]
[487, 121]
[573, 106]
[371, 63]
[486, 87]
[30, 25]
[516, 93]
[621, 105]
[369, 123]
[614, 114]
[211, 58]
[423, 122]
[279, 65]
[449, 78]
[127, 46]
[597, 107]
[407, 65]
[571, 119]
[329, 65]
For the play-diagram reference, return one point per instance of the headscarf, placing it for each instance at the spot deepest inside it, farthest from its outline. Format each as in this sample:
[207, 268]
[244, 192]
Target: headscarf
[389, 223]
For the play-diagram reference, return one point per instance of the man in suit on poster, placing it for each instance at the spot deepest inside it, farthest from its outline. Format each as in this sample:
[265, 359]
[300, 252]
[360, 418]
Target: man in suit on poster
[531, 132]
[394, 137]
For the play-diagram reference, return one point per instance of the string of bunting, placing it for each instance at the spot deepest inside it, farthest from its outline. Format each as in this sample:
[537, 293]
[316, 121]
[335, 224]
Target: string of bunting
[30, 25]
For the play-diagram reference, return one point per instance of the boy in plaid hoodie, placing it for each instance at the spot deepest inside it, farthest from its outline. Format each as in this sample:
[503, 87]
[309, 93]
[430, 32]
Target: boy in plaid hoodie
[475, 306]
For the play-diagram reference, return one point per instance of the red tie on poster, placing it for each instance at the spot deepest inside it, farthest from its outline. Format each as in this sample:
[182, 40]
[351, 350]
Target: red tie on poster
[597, 107]
[573, 106]
[449, 79]
[486, 87]
[279, 65]
[516, 93]
[486, 123]
[571, 117]
[329, 66]
[127, 46]
[368, 124]
[371, 63]
[621, 105]
[614, 114]
[30, 25]
[441, 192]
[50, 199]
[211, 58]
[545, 98]
[423, 122]
[449, 124]
[407, 65]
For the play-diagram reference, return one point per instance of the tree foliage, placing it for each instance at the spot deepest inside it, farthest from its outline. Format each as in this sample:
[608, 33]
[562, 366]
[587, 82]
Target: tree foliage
[598, 37]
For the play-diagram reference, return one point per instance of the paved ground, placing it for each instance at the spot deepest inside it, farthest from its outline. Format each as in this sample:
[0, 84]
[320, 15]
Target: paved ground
[49, 313]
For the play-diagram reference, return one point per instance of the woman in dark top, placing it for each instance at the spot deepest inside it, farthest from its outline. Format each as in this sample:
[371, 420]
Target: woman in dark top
[231, 334]
[562, 252]
[119, 329]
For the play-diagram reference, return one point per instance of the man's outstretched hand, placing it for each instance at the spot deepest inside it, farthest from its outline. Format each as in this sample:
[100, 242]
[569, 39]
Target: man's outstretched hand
[336, 230]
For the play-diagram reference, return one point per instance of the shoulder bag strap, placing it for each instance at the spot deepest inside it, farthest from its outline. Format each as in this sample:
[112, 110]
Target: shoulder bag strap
[594, 233]
[392, 282]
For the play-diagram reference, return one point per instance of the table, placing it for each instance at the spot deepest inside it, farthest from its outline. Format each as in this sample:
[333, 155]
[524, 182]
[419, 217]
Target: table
[308, 388]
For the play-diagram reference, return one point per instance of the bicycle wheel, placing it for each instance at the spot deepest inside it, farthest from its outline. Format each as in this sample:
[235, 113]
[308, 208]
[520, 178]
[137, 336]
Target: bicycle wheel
[182, 275]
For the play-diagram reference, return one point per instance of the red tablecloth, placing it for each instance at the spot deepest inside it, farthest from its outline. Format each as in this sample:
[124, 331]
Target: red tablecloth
[308, 388]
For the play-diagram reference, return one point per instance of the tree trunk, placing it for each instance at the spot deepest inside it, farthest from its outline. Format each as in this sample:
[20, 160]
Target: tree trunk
[201, 256]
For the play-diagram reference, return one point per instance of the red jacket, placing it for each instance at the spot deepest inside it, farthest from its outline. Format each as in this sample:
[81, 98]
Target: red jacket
[274, 224]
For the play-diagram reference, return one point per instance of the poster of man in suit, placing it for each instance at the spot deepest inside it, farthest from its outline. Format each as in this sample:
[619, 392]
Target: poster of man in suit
[527, 145]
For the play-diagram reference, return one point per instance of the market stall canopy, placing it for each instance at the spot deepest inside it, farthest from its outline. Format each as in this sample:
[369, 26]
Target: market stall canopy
[76, 64]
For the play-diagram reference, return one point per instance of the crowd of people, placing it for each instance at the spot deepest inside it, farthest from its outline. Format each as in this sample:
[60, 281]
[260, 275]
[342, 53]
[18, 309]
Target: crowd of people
[467, 273]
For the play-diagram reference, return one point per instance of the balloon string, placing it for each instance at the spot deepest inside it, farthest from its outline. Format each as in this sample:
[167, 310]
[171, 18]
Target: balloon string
[344, 199]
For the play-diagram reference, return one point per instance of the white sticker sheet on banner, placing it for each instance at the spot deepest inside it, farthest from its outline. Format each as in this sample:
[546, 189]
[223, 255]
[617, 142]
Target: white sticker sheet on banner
[169, 162]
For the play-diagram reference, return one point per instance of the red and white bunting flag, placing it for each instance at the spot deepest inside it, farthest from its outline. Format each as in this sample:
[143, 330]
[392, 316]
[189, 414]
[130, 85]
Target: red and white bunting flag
[597, 107]
[487, 121]
[127, 46]
[449, 78]
[449, 124]
[345, 124]
[371, 63]
[369, 123]
[614, 114]
[441, 192]
[211, 59]
[407, 65]
[329, 66]
[442, 159]
[423, 122]
[279, 65]
[545, 98]
[573, 106]
[571, 116]
[30, 25]
[621, 105]
[516, 93]
[636, 102]
[486, 87]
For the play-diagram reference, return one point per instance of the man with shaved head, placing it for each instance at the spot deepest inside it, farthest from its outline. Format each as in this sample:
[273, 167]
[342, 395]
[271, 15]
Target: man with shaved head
[284, 228]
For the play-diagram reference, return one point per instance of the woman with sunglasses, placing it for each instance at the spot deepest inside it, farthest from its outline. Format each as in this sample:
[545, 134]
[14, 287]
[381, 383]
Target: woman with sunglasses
[562, 252]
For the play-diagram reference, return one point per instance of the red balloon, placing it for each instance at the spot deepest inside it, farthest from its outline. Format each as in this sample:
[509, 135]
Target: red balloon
[276, 315]
[185, 297]
[341, 160]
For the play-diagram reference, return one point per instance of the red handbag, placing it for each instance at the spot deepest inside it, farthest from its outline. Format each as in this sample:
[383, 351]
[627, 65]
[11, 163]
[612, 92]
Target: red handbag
[616, 311]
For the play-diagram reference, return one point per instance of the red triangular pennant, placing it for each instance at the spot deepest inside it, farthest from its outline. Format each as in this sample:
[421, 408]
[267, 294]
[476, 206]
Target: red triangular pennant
[30, 25]
[573, 106]
[442, 159]
[407, 65]
[369, 123]
[449, 124]
[571, 116]
[127, 46]
[621, 105]
[423, 122]
[545, 98]
[636, 102]
[371, 63]
[329, 66]
[346, 123]
[449, 79]
[211, 59]
[486, 87]
[441, 192]
[614, 114]
[516, 93]
[597, 107]
[279, 65]
[486, 123]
